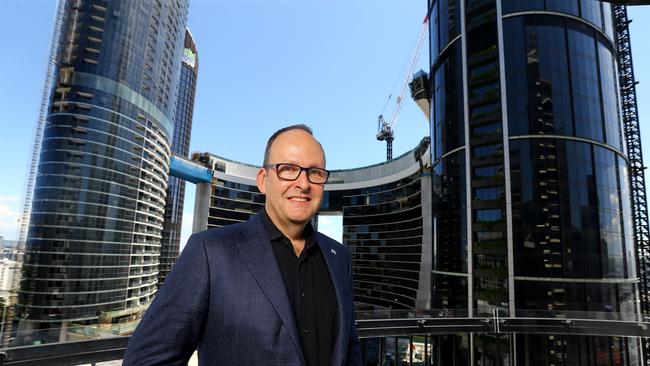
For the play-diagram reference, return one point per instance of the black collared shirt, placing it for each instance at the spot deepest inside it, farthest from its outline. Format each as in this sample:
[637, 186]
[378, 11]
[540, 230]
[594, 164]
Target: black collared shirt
[310, 291]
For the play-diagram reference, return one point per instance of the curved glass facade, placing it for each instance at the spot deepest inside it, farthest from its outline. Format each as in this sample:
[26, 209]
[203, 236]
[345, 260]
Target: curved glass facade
[531, 196]
[450, 262]
[96, 221]
[233, 202]
[383, 227]
[171, 233]
[383, 221]
[570, 191]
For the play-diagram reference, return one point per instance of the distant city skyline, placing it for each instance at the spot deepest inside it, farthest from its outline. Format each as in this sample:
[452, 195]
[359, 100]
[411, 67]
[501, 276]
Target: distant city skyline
[330, 64]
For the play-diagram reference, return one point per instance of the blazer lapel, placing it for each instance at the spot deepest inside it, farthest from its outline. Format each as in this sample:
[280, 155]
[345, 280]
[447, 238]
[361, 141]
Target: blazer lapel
[258, 255]
[333, 265]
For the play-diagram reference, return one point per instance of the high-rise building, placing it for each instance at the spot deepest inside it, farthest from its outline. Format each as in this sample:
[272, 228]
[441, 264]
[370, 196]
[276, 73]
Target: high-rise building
[171, 234]
[532, 210]
[9, 272]
[96, 223]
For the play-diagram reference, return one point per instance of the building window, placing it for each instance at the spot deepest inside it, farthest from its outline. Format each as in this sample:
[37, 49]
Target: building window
[492, 128]
[489, 236]
[486, 150]
[489, 171]
[488, 193]
[488, 215]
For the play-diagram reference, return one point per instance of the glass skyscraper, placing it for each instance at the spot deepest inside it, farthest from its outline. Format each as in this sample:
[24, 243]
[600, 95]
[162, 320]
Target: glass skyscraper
[94, 238]
[531, 209]
[171, 234]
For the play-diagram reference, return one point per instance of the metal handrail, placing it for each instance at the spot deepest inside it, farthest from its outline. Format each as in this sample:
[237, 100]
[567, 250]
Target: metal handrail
[107, 349]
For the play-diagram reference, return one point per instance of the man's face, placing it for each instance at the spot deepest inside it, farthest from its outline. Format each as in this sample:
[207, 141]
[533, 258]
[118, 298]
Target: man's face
[291, 204]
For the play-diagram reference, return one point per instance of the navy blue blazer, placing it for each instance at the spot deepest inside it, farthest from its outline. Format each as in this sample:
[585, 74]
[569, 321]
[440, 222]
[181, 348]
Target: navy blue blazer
[225, 296]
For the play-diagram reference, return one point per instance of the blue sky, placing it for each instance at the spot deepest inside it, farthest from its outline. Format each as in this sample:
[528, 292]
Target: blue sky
[263, 64]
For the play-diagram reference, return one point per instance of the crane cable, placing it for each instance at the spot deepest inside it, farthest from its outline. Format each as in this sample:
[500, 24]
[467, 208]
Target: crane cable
[414, 58]
[414, 61]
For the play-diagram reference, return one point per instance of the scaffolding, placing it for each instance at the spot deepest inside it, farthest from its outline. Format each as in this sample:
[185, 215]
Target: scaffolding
[40, 125]
[632, 132]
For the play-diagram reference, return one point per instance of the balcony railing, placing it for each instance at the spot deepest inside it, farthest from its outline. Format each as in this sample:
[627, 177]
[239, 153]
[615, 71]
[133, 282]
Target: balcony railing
[385, 327]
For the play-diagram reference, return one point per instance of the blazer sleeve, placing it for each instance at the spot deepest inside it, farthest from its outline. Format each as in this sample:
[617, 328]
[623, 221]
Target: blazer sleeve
[353, 357]
[172, 326]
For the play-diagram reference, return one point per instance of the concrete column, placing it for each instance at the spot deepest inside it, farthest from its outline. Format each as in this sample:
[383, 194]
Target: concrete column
[63, 332]
[201, 207]
[423, 300]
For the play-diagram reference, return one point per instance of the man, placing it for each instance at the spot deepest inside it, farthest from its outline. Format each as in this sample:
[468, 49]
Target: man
[270, 291]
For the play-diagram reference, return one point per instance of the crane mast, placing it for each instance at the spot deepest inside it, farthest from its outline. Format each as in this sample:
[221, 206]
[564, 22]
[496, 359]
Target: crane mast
[632, 132]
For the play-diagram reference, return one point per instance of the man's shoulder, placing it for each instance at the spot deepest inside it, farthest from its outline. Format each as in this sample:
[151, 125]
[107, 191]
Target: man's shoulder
[224, 233]
[218, 232]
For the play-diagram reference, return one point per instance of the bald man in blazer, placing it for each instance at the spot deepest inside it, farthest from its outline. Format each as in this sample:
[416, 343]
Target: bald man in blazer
[237, 293]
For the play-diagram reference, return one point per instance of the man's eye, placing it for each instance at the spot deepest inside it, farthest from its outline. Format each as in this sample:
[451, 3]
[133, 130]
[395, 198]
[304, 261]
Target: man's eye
[287, 169]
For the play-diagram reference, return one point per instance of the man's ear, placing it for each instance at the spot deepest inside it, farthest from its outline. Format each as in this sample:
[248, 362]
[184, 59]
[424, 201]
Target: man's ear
[261, 180]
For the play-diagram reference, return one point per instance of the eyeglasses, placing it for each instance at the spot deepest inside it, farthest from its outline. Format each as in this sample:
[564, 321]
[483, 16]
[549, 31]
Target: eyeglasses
[287, 171]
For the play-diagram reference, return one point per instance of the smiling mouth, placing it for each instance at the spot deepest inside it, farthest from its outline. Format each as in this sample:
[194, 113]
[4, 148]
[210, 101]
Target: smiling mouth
[299, 199]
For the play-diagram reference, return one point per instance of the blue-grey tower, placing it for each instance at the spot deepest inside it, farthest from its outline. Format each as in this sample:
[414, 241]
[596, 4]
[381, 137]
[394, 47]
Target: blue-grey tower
[93, 244]
[171, 234]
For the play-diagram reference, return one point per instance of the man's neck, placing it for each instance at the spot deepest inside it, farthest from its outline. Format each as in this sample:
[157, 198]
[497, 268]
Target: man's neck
[297, 238]
[295, 233]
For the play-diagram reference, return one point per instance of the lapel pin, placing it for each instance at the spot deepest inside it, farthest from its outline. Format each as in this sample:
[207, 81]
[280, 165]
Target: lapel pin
[333, 251]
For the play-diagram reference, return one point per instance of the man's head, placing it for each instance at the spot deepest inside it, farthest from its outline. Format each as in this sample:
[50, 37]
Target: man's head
[300, 127]
[292, 203]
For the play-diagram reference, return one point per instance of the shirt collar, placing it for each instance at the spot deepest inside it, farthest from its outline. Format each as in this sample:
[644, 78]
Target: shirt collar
[276, 234]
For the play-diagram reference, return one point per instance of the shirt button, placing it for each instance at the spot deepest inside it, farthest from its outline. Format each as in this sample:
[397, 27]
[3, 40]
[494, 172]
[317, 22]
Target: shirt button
[302, 295]
[305, 331]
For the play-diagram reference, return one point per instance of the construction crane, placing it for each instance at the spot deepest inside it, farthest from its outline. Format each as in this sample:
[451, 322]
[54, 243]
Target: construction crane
[385, 127]
[632, 131]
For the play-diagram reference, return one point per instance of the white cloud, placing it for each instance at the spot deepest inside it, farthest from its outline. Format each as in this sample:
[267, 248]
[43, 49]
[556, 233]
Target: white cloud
[7, 199]
[9, 217]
